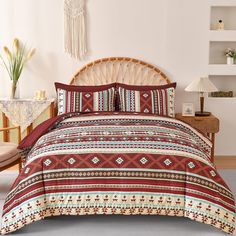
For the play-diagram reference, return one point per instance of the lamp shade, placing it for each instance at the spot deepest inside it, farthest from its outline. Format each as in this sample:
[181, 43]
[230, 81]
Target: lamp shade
[202, 84]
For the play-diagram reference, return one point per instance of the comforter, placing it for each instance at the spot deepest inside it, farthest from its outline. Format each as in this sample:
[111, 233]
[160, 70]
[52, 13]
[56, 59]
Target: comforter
[117, 163]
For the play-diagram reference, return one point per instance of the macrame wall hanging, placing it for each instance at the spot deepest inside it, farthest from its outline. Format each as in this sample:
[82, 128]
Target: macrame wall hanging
[75, 29]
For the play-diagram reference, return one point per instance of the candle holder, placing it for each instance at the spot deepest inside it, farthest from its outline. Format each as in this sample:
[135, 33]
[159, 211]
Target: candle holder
[40, 95]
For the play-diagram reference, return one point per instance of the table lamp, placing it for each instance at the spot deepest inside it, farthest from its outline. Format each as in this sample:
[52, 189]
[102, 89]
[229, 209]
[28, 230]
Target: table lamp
[201, 85]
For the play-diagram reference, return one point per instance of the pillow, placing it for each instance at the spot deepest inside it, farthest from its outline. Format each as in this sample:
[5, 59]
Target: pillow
[150, 99]
[72, 98]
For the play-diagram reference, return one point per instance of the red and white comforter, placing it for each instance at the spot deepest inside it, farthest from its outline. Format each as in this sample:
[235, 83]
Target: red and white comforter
[117, 163]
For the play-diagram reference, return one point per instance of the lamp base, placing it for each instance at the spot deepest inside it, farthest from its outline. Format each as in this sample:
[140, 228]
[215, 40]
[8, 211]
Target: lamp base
[204, 113]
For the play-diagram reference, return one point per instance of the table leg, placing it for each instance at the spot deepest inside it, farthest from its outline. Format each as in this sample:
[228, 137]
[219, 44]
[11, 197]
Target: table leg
[52, 109]
[29, 129]
[19, 134]
[5, 123]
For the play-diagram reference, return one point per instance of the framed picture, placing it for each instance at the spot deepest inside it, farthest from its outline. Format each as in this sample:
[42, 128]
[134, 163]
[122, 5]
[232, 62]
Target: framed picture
[188, 109]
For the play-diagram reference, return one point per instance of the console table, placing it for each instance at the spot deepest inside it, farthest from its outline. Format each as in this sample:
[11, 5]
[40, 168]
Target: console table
[23, 112]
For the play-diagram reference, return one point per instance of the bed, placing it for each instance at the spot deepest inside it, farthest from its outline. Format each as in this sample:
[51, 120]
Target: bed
[117, 162]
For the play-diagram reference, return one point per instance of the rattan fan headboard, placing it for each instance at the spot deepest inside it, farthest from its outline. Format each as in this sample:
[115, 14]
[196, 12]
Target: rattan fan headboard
[121, 70]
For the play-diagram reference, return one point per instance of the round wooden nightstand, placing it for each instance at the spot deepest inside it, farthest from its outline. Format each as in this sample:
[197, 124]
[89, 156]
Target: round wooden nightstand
[209, 125]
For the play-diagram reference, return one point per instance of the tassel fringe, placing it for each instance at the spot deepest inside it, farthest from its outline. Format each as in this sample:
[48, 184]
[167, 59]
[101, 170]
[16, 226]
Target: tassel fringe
[74, 28]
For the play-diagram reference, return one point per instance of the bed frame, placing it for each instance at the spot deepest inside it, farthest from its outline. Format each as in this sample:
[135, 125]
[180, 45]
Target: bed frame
[121, 70]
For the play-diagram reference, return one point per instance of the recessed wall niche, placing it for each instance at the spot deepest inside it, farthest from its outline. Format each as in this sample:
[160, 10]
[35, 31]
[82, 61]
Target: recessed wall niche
[225, 13]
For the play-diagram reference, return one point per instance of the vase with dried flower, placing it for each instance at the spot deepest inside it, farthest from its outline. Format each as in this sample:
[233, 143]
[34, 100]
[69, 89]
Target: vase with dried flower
[230, 55]
[14, 62]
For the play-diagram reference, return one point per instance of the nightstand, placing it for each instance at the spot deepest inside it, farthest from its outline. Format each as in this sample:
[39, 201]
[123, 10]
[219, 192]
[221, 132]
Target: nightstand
[209, 125]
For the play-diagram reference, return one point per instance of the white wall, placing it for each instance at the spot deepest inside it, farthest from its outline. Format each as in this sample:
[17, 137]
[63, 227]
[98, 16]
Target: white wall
[171, 34]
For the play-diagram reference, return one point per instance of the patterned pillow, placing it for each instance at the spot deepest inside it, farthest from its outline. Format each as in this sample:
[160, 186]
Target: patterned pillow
[72, 98]
[150, 99]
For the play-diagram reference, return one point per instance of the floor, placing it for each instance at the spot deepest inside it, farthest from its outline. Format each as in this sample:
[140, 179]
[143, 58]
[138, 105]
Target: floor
[114, 225]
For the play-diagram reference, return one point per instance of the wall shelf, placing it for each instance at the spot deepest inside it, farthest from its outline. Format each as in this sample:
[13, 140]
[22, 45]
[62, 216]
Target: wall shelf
[221, 98]
[217, 51]
[223, 3]
[226, 13]
[221, 69]
[223, 35]
[224, 83]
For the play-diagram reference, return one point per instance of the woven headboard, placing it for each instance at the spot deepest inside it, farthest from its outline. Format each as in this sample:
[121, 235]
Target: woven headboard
[121, 70]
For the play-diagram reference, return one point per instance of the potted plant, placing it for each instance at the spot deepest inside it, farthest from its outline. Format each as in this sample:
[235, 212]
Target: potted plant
[230, 55]
[14, 62]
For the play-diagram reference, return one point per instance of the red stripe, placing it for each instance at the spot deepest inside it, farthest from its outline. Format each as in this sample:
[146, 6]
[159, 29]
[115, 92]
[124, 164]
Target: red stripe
[166, 103]
[161, 102]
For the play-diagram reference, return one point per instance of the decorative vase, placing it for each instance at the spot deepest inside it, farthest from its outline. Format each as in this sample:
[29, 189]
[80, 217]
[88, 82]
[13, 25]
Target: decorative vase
[230, 60]
[220, 25]
[14, 90]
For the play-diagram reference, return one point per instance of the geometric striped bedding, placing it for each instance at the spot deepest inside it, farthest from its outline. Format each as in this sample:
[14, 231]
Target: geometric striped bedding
[118, 163]
[158, 100]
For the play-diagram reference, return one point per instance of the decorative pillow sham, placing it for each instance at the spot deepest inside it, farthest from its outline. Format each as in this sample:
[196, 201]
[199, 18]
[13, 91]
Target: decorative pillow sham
[72, 98]
[149, 99]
